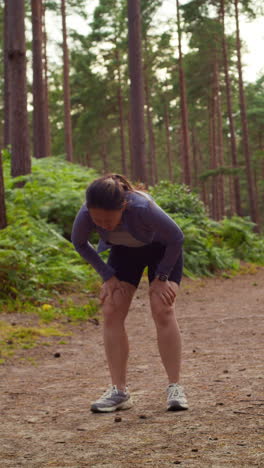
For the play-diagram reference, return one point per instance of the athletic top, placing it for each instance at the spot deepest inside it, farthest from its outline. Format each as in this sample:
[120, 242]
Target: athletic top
[143, 219]
[119, 236]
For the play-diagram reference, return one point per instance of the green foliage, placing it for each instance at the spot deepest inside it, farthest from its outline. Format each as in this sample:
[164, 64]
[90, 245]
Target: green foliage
[36, 259]
[176, 198]
[209, 246]
[53, 192]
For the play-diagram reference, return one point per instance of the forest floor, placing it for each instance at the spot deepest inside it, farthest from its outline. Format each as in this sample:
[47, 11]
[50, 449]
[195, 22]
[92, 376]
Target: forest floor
[45, 419]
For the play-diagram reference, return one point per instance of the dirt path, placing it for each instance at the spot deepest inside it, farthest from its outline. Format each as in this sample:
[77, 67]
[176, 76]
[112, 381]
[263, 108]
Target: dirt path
[45, 417]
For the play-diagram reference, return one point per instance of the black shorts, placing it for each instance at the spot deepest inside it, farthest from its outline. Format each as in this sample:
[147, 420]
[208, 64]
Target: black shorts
[130, 262]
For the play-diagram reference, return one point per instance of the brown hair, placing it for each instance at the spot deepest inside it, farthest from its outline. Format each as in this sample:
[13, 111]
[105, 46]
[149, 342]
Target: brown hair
[108, 192]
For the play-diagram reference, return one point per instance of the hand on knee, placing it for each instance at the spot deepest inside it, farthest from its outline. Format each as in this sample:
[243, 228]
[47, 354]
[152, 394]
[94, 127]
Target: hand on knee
[116, 303]
[165, 290]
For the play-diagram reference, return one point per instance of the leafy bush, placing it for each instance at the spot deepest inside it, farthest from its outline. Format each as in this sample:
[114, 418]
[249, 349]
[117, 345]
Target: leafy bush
[209, 246]
[54, 192]
[35, 257]
[175, 198]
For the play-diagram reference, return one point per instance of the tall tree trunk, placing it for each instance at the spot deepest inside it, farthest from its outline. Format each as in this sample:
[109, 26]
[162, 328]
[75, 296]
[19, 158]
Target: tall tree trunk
[234, 158]
[168, 141]
[184, 109]
[39, 108]
[220, 146]
[245, 139]
[104, 153]
[46, 86]
[195, 158]
[136, 91]
[3, 221]
[66, 89]
[121, 115]
[6, 80]
[88, 159]
[213, 154]
[19, 138]
[131, 162]
[151, 138]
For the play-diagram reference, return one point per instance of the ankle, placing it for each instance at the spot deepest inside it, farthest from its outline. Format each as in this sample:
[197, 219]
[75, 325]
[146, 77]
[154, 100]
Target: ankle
[121, 387]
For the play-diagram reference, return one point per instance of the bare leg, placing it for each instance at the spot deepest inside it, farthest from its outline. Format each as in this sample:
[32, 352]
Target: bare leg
[168, 336]
[115, 310]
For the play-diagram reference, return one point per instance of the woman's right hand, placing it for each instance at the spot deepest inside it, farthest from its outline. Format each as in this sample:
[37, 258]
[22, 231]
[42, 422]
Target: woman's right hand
[109, 287]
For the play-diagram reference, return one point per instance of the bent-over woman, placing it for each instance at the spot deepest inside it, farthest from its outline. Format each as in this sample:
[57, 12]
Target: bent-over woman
[139, 234]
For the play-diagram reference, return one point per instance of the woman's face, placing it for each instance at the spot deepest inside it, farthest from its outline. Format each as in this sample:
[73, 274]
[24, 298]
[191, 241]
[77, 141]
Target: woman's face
[106, 219]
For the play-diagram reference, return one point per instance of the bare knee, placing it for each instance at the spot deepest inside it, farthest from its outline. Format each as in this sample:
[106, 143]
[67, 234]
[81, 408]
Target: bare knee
[116, 305]
[161, 313]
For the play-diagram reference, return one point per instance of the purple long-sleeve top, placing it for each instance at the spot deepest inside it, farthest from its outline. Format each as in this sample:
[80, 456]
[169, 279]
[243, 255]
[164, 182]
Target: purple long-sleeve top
[143, 219]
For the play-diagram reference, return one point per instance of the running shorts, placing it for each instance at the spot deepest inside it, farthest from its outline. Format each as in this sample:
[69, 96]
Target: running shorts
[130, 262]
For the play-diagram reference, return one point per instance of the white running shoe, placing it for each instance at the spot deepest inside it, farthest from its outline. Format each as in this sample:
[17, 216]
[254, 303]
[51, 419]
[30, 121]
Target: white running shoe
[112, 400]
[176, 400]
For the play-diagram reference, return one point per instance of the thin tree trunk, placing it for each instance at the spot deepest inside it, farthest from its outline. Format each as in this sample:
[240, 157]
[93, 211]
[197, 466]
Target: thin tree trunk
[3, 220]
[204, 191]
[66, 89]
[245, 139]
[39, 108]
[184, 109]
[168, 142]
[151, 137]
[136, 91]
[6, 80]
[232, 198]
[104, 155]
[130, 144]
[121, 115]
[220, 148]
[195, 159]
[88, 159]
[46, 86]
[19, 137]
[237, 200]
[214, 181]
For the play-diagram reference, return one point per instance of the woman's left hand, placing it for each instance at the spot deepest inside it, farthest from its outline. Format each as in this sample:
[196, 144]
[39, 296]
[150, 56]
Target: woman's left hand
[166, 290]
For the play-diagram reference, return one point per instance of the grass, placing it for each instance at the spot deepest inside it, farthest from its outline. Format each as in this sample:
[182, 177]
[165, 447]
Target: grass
[16, 337]
[47, 319]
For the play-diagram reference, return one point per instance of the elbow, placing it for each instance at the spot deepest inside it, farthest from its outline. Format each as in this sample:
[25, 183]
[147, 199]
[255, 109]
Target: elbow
[76, 244]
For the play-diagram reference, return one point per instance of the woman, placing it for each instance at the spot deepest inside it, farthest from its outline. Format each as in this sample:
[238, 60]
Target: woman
[139, 234]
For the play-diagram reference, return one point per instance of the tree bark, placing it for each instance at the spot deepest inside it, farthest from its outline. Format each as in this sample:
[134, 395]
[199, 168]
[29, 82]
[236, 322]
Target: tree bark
[6, 80]
[46, 86]
[184, 109]
[213, 155]
[220, 149]
[19, 138]
[151, 139]
[3, 220]
[237, 201]
[168, 141]
[39, 108]
[245, 139]
[66, 89]
[121, 115]
[136, 91]
[195, 158]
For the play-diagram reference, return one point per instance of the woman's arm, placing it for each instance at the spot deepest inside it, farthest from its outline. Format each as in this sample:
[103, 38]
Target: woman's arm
[83, 226]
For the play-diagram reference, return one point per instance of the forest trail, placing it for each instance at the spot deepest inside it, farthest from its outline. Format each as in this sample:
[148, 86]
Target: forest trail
[45, 417]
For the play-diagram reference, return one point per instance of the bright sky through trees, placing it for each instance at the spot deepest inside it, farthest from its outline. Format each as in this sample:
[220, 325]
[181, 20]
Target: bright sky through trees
[252, 32]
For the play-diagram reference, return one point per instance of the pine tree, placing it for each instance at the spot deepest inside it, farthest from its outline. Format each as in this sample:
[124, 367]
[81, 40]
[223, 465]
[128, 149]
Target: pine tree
[16, 54]
[137, 91]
